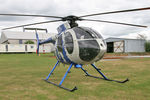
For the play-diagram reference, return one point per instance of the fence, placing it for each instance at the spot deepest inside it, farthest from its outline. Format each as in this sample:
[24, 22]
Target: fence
[18, 48]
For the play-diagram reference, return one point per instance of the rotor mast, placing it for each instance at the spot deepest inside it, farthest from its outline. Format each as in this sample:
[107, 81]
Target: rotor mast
[72, 20]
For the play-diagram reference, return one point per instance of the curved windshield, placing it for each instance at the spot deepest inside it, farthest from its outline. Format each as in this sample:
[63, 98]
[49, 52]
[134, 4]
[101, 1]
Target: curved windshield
[69, 42]
[88, 49]
[92, 31]
[88, 45]
[86, 33]
[83, 34]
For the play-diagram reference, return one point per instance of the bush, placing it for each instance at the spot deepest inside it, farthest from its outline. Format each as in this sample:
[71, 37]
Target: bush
[147, 46]
[29, 42]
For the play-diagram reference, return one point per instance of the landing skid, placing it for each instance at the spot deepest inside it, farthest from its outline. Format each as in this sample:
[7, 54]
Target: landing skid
[60, 84]
[109, 79]
[87, 74]
[104, 77]
[71, 90]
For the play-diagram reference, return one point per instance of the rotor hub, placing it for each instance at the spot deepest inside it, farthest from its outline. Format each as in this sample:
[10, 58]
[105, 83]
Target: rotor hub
[72, 20]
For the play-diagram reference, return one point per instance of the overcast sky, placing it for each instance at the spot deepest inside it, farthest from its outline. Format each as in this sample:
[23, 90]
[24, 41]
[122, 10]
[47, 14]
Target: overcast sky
[79, 8]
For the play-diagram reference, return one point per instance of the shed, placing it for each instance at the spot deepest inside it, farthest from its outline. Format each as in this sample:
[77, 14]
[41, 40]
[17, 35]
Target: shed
[125, 45]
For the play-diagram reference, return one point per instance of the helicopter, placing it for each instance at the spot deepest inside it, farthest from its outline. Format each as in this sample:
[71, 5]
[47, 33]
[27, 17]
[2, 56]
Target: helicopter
[77, 46]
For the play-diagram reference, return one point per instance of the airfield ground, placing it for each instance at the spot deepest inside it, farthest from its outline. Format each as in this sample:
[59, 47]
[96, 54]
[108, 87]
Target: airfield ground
[21, 79]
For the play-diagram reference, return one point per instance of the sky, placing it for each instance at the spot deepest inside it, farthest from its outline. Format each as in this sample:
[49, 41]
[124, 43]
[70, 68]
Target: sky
[79, 7]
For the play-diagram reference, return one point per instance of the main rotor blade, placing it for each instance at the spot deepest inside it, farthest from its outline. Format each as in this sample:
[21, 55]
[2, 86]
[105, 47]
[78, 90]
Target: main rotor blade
[119, 11]
[31, 24]
[115, 23]
[30, 15]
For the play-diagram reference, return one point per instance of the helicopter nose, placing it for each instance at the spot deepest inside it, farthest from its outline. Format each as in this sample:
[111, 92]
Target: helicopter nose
[88, 49]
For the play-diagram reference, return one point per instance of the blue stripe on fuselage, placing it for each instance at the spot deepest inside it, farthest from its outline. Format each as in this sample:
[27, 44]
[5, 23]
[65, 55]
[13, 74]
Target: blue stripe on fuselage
[64, 54]
[59, 56]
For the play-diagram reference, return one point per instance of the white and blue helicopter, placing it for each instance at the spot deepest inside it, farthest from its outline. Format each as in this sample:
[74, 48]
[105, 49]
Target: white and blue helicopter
[77, 46]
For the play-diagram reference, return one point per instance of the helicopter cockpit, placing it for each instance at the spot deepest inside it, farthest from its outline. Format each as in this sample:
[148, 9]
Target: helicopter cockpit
[88, 45]
[80, 44]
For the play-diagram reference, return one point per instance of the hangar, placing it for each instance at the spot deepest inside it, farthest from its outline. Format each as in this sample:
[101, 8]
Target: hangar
[125, 45]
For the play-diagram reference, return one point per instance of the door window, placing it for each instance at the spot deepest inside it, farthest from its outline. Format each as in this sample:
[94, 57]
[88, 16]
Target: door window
[69, 42]
[59, 44]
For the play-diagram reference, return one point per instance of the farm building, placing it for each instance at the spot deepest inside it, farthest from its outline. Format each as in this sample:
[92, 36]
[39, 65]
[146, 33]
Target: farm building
[125, 45]
[12, 41]
[12, 37]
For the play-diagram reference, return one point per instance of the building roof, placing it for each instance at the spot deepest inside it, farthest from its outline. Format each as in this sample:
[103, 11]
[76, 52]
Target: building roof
[112, 39]
[16, 35]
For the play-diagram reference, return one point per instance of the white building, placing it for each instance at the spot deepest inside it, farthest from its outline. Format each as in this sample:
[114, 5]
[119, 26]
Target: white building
[15, 41]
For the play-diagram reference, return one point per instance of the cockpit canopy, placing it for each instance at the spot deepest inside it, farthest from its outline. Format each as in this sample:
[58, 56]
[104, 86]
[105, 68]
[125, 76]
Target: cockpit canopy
[86, 33]
[80, 41]
[88, 45]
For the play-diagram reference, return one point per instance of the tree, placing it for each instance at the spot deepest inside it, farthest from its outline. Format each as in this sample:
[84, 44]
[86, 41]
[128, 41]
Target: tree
[147, 43]
[29, 42]
[147, 46]
[142, 36]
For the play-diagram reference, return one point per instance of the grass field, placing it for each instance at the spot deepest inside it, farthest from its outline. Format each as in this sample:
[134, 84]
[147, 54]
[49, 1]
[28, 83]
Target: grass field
[21, 79]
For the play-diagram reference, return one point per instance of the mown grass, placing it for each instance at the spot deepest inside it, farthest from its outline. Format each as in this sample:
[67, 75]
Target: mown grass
[21, 79]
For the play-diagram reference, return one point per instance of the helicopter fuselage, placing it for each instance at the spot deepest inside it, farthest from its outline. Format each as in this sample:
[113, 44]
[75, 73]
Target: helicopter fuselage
[79, 45]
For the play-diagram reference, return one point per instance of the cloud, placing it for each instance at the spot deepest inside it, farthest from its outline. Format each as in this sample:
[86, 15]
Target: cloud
[79, 8]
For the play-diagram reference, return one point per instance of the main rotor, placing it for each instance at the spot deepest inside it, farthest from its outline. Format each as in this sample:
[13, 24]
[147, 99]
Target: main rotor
[72, 19]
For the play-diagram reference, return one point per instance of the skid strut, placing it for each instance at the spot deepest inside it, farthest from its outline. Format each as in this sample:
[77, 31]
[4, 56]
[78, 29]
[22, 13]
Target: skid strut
[87, 74]
[104, 77]
[60, 84]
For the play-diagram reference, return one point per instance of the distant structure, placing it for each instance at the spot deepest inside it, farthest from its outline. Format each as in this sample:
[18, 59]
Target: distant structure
[125, 45]
[14, 41]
